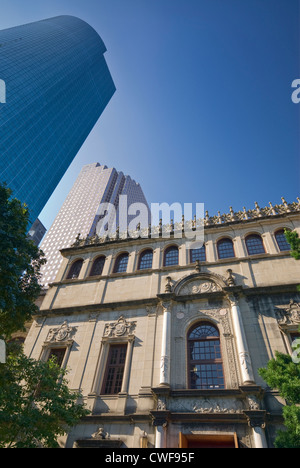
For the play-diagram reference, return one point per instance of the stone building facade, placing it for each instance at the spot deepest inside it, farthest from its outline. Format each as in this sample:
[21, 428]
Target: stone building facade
[165, 342]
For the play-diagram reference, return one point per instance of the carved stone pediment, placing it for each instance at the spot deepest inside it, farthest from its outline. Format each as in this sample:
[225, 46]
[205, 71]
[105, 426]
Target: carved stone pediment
[119, 328]
[199, 286]
[289, 315]
[61, 334]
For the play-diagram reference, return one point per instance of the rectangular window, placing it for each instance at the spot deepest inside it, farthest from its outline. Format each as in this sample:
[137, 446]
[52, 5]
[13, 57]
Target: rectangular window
[113, 377]
[58, 354]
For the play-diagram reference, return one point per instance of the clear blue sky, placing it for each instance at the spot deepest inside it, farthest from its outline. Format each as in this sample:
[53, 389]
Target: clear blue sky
[203, 109]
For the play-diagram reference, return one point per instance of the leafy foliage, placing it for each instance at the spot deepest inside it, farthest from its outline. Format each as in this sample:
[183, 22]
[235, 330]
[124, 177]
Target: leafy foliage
[20, 263]
[293, 239]
[36, 405]
[284, 375]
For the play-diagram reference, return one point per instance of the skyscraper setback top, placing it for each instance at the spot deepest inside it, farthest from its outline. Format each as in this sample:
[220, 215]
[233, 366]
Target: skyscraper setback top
[57, 86]
[79, 214]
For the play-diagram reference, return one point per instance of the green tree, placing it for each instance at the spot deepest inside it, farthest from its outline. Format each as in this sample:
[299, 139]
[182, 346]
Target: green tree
[293, 239]
[20, 263]
[284, 375]
[36, 405]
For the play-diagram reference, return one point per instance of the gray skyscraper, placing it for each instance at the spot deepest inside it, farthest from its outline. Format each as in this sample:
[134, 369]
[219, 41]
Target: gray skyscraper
[95, 184]
[55, 85]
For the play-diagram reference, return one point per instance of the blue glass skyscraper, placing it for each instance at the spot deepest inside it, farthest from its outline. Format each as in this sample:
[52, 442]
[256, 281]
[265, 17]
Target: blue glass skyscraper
[57, 85]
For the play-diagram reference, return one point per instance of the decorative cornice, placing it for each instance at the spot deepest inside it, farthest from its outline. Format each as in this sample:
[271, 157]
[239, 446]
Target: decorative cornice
[171, 229]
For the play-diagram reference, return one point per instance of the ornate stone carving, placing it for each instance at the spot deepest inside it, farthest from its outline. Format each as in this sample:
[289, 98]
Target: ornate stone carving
[168, 288]
[164, 365]
[256, 418]
[208, 406]
[161, 404]
[119, 328]
[62, 333]
[230, 280]
[99, 434]
[245, 360]
[290, 315]
[199, 287]
[253, 403]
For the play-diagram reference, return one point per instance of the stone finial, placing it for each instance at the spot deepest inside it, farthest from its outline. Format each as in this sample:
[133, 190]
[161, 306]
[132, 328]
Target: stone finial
[257, 209]
[285, 204]
[245, 213]
[182, 223]
[272, 209]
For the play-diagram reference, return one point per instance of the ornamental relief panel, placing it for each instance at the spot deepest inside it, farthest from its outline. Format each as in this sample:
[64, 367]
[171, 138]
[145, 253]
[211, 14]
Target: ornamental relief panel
[120, 328]
[288, 316]
[199, 287]
[61, 334]
[207, 406]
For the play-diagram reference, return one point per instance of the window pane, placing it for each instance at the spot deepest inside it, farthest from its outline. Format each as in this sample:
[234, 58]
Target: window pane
[255, 245]
[121, 263]
[207, 376]
[225, 249]
[171, 256]
[205, 358]
[198, 254]
[281, 241]
[115, 370]
[97, 267]
[75, 270]
[146, 259]
[203, 331]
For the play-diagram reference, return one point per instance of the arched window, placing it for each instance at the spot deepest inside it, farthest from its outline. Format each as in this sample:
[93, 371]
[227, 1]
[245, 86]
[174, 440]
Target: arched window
[75, 269]
[254, 244]
[225, 248]
[121, 263]
[281, 241]
[145, 260]
[171, 256]
[198, 254]
[204, 358]
[97, 266]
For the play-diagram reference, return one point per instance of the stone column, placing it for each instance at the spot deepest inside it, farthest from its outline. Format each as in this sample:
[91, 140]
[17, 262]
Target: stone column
[256, 420]
[165, 345]
[127, 365]
[160, 422]
[241, 341]
[160, 437]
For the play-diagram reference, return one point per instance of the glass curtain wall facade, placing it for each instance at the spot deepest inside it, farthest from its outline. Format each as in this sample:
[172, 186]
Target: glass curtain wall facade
[57, 86]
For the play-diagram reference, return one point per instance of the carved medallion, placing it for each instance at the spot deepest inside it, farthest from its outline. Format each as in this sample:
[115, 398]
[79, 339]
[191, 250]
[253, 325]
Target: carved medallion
[290, 315]
[200, 287]
[119, 328]
[62, 333]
